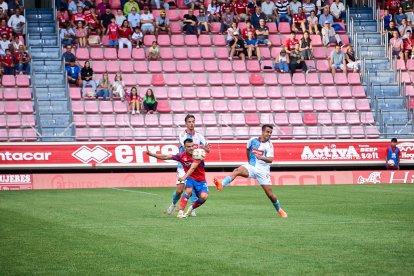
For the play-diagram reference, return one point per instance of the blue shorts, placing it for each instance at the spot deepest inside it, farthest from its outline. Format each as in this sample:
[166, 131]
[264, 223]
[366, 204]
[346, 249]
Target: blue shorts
[113, 43]
[198, 187]
[201, 28]
[263, 41]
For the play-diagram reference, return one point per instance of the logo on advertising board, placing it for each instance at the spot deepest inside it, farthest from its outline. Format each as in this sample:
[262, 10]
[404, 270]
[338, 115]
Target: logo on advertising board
[334, 152]
[373, 178]
[98, 154]
[407, 150]
[15, 182]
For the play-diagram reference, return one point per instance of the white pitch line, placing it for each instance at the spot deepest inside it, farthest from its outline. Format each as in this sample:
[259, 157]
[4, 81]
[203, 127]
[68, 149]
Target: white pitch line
[125, 190]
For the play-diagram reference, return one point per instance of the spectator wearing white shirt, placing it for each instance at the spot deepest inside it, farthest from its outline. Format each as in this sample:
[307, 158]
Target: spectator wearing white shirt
[16, 42]
[403, 28]
[134, 18]
[4, 6]
[313, 23]
[73, 6]
[269, 8]
[213, 11]
[147, 22]
[119, 17]
[329, 35]
[337, 10]
[294, 6]
[4, 44]
[321, 5]
[16, 22]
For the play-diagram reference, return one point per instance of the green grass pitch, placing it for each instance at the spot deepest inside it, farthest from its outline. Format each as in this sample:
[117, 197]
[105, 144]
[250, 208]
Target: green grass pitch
[331, 230]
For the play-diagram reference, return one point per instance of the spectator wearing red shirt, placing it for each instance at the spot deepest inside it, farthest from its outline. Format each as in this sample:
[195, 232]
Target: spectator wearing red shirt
[92, 19]
[23, 59]
[62, 17]
[79, 16]
[241, 10]
[299, 20]
[125, 35]
[392, 6]
[249, 28]
[8, 63]
[408, 45]
[229, 5]
[112, 33]
[5, 30]
[291, 42]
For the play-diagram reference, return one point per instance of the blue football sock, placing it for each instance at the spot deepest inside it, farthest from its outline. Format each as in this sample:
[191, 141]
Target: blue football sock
[194, 198]
[227, 180]
[277, 205]
[175, 198]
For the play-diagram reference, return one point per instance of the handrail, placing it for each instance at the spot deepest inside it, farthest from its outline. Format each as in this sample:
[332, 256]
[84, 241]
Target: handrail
[347, 16]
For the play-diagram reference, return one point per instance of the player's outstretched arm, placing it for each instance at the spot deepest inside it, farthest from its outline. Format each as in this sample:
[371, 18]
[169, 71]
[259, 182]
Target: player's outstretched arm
[207, 148]
[159, 156]
[194, 166]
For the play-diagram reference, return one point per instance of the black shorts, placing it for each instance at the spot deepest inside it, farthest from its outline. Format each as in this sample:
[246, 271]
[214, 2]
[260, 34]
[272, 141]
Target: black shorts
[237, 53]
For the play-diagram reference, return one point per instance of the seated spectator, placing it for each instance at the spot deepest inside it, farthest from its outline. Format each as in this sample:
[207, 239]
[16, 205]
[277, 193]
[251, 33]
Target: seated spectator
[248, 28]
[351, 62]
[17, 22]
[4, 44]
[408, 46]
[3, 15]
[129, 5]
[252, 47]
[231, 31]
[282, 12]
[16, 42]
[290, 43]
[89, 4]
[391, 29]
[337, 60]
[161, 5]
[262, 34]
[73, 72]
[147, 22]
[154, 51]
[73, 6]
[329, 35]
[67, 56]
[103, 87]
[392, 6]
[321, 5]
[241, 11]
[306, 46]
[103, 6]
[308, 7]
[118, 87]
[313, 23]
[190, 22]
[299, 21]
[5, 30]
[162, 23]
[92, 19]
[62, 17]
[150, 102]
[134, 101]
[256, 17]
[120, 17]
[213, 11]
[237, 47]
[282, 62]
[325, 16]
[296, 60]
[125, 35]
[404, 27]
[137, 37]
[134, 18]
[144, 4]
[399, 16]
[81, 34]
[79, 16]
[106, 19]
[397, 45]
[113, 33]
[23, 60]
[8, 63]
[192, 4]
[407, 6]
[387, 17]
[252, 5]
[86, 76]
[294, 6]
[269, 9]
[337, 10]
[202, 22]
[226, 20]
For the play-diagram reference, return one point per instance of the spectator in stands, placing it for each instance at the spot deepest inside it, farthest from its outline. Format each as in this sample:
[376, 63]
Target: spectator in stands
[313, 23]
[112, 33]
[106, 19]
[299, 21]
[73, 72]
[337, 10]
[79, 16]
[399, 16]
[4, 6]
[103, 87]
[325, 16]
[321, 5]
[134, 101]
[102, 7]
[129, 5]
[387, 17]
[290, 43]
[308, 7]
[262, 34]
[282, 12]
[147, 22]
[255, 17]
[17, 22]
[213, 11]
[8, 63]
[120, 17]
[92, 18]
[192, 4]
[306, 46]
[4, 44]
[162, 23]
[81, 34]
[397, 44]
[190, 22]
[125, 34]
[248, 28]
[137, 37]
[226, 20]
[86, 76]
[294, 6]
[3, 15]
[408, 45]
[329, 35]
[68, 55]
[403, 28]
[391, 29]
[118, 87]
[231, 31]
[23, 60]
[144, 4]
[161, 5]
[150, 102]
[4, 29]
[73, 6]
[337, 60]
[241, 11]
[16, 42]
[392, 6]
[351, 62]
[269, 9]
[62, 17]
[252, 47]
[252, 5]
[202, 22]
[282, 62]
[134, 18]
[237, 47]
[90, 4]
[407, 6]
[296, 60]
[154, 51]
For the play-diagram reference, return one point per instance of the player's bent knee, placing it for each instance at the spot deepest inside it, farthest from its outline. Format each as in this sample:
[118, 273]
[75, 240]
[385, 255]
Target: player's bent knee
[204, 196]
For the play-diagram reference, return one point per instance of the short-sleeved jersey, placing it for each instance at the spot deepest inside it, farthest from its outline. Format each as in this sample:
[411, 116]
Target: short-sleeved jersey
[264, 149]
[198, 139]
[186, 161]
[113, 31]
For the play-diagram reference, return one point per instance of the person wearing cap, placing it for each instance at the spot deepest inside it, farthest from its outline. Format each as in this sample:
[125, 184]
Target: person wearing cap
[202, 22]
[329, 35]
[325, 16]
[147, 22]
[337, 60]
[403, 28]
[190, 22]
[231, 31]
[106, 19]
[134, 18]
[237, 47]
[252, 46]
[262, 34]
[282, 62]
[337, 10]
[129, 5]
[162, 23]
[393, 156]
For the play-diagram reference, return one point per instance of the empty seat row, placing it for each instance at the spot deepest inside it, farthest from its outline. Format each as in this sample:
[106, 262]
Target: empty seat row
[18, 135]
[15, 107]
[12, 94]
[16, 121]
[12, 81]
[105, 107]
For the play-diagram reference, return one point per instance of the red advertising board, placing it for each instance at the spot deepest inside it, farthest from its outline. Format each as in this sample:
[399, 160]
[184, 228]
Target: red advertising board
[16, 181]
[223, 153]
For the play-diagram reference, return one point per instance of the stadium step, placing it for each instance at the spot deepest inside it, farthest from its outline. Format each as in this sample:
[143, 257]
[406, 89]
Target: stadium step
[44, 66]
[56, 134]
[385, 90]
[372, 63]
[50, 93]
[52, 106]
[382, 76]
[45, 52]
[369, 39]
[49, 79]
[55, 120]
[365, 26]
[372, 51]
[39, 15]
[390, 103]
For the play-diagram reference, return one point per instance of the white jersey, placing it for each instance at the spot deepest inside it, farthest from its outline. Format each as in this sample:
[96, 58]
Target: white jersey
[198, 139]
[262, 149]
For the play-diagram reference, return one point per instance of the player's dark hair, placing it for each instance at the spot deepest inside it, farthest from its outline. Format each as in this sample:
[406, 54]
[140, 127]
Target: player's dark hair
[188, 140]
[189, 116]
[394, 140]
[266, 126]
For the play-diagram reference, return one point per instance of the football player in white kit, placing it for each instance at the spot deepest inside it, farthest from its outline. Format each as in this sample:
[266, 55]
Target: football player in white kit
[260, 156]
[199, 141]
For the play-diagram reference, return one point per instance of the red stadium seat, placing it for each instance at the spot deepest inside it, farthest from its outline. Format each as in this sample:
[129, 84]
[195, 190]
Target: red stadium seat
[194, 53]
[256, 79]
[124, 54]
[338, 118]
[166, 53]
[204, 40]
[277, 105]
[82, 54]
[164, 40]
[154, 66]
[207, 53]
[211, 66]
[138, 54]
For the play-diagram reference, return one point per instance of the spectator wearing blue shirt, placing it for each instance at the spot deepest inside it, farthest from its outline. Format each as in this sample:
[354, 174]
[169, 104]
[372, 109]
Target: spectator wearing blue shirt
[387, 19]
[255, 17]
[73, 72]
[73, 6]
[252, 47]
[400, 16]
[337, 60]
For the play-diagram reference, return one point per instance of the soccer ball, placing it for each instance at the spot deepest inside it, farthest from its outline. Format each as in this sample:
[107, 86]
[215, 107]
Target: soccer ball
[199, 154]
[391, 163]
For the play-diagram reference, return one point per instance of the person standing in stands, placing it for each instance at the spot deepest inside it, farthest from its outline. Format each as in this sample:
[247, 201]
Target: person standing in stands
[106, 19]
[112, 33]
[393, 155]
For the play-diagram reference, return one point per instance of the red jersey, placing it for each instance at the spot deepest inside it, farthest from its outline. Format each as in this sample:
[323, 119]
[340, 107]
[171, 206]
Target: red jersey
[240, 7]
[299, 17]
[245, 31]
[25, 57]
[8, 60]
[408, 44]
[78, 17]
[199, 173]
[224, 6]
[290, 44]
[393, 6]
[113, 31]
[124, 33]
[62, 19]
[5, 31]
[91, 19]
